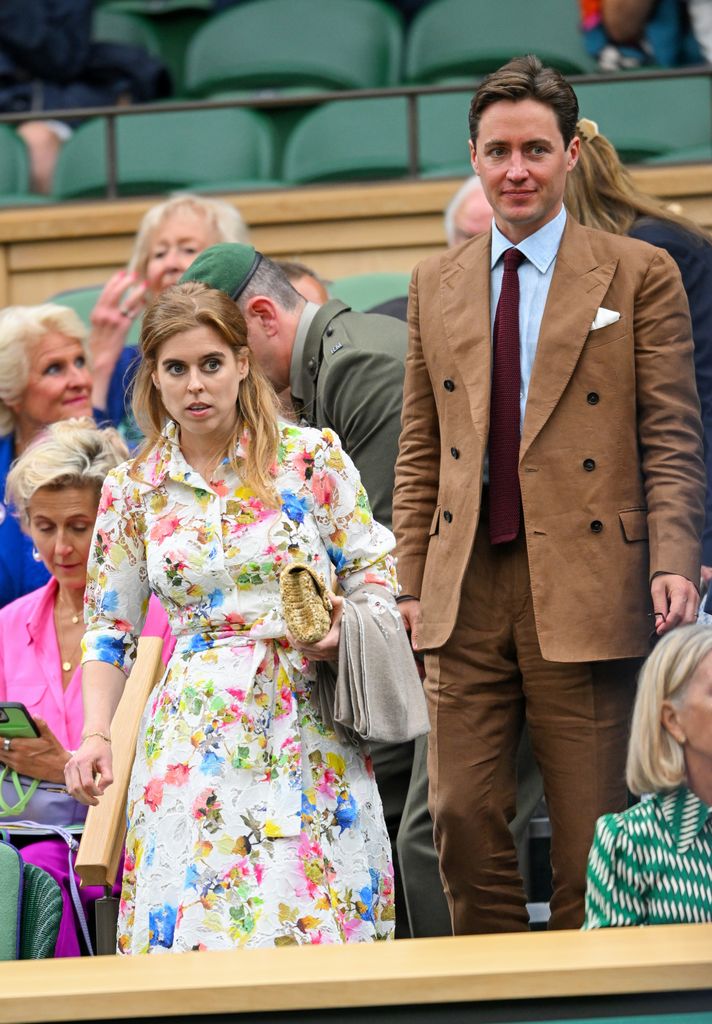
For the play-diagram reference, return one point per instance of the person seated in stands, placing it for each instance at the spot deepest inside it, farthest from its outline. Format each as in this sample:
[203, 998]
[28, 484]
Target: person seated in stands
[44, 376]
[54, 486]
[625, 34]
[468, 213]
[170, 236]
[305, 281]
[600, 193]
[652, 864]
[48, 61]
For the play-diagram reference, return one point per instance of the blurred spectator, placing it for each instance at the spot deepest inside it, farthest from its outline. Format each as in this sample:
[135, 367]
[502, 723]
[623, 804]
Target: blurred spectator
[623, 34]
[169, 238]
[651, 864]
[600, 193]
[468, 213]
[55, 487]
[48, 62]
[305, 280]
[44, 376]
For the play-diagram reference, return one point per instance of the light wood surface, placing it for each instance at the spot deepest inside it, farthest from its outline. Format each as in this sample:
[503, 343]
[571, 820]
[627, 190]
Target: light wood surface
[673, 958]
[103, 837]
[336, 229]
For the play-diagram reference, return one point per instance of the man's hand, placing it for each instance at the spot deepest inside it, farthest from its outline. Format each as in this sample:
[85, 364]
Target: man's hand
[410, 613]
[675, 602]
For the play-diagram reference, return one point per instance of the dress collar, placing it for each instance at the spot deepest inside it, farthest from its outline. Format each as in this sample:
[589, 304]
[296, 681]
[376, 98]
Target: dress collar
[165, 459]
[685, 815]
[540, 248]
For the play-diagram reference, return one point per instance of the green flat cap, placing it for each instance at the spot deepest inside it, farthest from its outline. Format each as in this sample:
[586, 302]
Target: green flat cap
[228, 267]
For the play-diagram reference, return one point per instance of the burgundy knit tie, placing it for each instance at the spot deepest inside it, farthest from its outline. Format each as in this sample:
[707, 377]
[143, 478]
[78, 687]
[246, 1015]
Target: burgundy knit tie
[504, 434]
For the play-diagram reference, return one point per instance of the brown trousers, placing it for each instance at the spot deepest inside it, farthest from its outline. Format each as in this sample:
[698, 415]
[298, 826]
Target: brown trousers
[481, 686]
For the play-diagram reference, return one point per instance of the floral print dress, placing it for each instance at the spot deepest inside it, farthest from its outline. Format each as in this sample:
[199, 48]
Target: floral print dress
[249, 822]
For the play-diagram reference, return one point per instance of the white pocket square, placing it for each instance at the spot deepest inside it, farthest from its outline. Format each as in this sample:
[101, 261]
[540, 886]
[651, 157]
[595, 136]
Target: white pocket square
[604, 318]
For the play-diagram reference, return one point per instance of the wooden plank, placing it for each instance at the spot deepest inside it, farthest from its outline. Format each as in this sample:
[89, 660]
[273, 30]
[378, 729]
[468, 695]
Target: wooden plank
[525, 966]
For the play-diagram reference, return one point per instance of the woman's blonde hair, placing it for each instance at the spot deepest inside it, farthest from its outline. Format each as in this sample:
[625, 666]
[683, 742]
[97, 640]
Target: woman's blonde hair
[600, 192]
[224, 219]
[69, 453]
[655, 759]
[20, 328]
[183, 307]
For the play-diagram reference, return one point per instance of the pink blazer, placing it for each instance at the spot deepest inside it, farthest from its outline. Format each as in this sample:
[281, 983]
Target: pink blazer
[30, 669]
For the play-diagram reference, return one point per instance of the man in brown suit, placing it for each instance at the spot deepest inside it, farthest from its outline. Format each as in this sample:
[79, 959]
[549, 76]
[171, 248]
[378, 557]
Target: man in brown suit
[535, 567]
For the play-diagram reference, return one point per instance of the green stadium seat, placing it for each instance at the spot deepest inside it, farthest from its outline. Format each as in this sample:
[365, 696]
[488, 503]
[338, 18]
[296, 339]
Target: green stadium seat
[363, 291]
[41, 914]
[160, 152]
[14, 164]
[368, 139]
[650, 119]
[314, 44]
[465, 38]
[116, 26]
[83, 300]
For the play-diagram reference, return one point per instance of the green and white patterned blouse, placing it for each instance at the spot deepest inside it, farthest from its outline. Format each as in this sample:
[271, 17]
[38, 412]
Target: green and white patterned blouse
[652, 864]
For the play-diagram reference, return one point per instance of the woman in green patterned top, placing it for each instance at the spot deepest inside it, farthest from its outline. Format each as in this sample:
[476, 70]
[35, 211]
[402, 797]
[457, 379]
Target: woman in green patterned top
[652, 864]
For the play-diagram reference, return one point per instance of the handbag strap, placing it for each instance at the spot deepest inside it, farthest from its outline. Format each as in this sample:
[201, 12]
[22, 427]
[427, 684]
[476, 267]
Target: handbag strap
[72, 846]
[23, 795]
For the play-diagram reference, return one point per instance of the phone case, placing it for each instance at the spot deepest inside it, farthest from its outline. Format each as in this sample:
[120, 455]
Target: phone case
[16, 721]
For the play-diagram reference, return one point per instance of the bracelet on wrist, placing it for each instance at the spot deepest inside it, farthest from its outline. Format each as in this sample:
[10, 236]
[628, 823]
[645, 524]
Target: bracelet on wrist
[102, 735]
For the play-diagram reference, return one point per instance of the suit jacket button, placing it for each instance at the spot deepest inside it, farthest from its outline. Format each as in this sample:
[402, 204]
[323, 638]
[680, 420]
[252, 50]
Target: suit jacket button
[455, 452]
[449, 385]
[596, 526]
[329, 331]
[592, 398]
[447, 516]
[589, 465]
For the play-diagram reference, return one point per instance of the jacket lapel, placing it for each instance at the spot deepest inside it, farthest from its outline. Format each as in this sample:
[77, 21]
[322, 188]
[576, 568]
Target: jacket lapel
[578, 286]
[465, 298]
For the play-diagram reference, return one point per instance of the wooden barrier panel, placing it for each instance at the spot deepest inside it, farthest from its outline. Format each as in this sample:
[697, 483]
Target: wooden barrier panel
[103, 837]
[336, 229]
[526, 976]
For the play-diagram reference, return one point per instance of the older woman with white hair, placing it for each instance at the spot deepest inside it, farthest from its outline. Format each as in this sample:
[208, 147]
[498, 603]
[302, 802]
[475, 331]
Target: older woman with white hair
[44, 376]
[55, 486]
[169, 237]
[652, 864]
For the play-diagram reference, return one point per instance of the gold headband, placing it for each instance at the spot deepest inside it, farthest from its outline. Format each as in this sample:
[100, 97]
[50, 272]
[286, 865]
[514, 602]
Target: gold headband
[588, 129]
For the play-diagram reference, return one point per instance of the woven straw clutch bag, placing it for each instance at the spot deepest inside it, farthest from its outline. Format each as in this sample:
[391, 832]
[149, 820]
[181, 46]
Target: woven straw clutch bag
[305, 602]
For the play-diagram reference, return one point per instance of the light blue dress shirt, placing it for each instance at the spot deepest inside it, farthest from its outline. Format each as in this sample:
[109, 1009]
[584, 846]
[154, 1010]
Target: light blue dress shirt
[535, 273]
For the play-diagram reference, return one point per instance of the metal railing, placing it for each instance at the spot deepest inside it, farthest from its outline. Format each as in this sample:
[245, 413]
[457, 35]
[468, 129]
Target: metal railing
[412, 94]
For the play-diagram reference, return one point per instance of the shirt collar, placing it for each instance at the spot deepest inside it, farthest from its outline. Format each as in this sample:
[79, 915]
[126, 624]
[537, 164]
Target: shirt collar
[166, 459]
[540, 248]
[295, 366]
[685, 815]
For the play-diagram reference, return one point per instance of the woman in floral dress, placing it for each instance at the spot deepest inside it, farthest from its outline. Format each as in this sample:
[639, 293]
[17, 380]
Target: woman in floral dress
[250, 823]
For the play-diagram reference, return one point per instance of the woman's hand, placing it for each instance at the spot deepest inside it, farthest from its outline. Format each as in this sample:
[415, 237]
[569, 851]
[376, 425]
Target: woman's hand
[42, 757]
[121, 301]
[88, 772]
[328, 648]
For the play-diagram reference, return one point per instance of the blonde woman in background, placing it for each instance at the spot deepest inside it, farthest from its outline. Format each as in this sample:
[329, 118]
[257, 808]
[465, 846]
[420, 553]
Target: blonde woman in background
[169, 238]
[44, 376]
[600, 193]
[55, 487]
[652, 864]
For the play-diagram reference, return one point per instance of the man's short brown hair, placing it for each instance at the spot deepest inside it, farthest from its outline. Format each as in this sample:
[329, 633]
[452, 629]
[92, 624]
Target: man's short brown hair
[526, 78]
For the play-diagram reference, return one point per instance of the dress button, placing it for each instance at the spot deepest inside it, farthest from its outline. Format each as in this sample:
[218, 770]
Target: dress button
[596, 526]
[455, 452]
[449, 385]
[447, 516]
[589, 465]
[592, 398]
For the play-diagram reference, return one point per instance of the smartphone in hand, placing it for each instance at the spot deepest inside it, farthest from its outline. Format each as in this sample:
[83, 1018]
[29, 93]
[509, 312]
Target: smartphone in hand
[17, 722]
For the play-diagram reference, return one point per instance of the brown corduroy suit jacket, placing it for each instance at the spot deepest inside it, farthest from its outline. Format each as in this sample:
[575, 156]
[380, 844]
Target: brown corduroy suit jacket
[610, 465]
